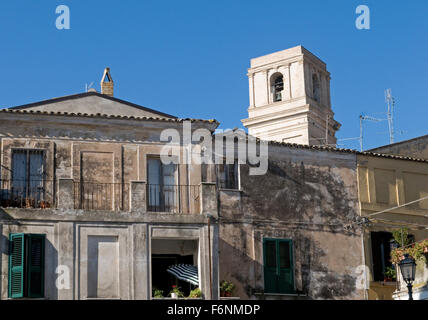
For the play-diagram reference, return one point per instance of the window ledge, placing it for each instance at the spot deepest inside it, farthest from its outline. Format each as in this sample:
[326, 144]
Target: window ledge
[281, 294]
[233, 190]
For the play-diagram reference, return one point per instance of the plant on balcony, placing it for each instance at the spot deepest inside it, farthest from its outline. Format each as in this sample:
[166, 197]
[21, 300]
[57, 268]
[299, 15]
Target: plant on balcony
[226, 288]
[390, 274]
[195, 293]
[44, 204]
[401, 236]
[176, 293]
[157, 293]
[417, 251]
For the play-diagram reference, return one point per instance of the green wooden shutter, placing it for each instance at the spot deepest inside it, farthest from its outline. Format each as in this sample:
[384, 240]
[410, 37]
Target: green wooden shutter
[270, 265]
[285, 266]
[278, 266]
[16, 265]
[36, 265]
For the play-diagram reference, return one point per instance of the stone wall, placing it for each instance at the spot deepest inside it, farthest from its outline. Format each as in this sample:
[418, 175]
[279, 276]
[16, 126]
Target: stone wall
[309, 197]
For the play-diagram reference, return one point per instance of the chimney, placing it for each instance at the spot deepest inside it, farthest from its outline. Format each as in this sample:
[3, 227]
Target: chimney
[107, 83]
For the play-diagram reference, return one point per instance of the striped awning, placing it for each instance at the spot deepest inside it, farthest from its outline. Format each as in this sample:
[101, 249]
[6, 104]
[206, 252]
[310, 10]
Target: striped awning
[185, 272]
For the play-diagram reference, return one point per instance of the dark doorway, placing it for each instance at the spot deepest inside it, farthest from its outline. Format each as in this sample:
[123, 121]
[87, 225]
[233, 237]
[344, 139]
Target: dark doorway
[163, 280]
[381, 253]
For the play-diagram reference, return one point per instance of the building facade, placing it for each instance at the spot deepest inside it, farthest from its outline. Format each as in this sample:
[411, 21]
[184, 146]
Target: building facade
[88, 209]
[279, 232]
[401, 184]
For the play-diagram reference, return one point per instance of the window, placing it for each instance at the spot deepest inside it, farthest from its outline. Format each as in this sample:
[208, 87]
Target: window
[28, 175]
[26, 265]
[316, 91]
[162, 186]
[381, 253]
[277, 87]
[227, 175]
[278, 265]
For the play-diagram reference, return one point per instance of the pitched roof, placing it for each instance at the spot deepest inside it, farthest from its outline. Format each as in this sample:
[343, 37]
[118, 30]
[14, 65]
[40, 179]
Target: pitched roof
[328, 148]
[400, 142]
[105, 116]
[88, 94]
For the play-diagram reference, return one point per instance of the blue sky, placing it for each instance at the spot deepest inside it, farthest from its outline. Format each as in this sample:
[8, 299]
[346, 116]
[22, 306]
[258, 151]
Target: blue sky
[190, 58]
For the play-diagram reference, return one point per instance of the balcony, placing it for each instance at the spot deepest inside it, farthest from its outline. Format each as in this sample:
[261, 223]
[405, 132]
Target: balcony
[173, 198]
[100, 196]
[133, 196]
[27, 194]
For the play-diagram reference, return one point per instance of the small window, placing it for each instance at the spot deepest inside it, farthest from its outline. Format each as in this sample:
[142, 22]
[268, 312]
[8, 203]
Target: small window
[316, 90]
[277, 87]
[278, 266]
[26, 265]
[227, 175]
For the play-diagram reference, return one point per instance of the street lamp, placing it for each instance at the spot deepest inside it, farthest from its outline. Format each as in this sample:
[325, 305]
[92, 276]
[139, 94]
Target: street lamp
[408, 270]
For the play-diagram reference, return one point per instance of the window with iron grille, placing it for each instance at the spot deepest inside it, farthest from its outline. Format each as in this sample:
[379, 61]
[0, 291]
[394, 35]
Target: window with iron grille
[26, 265]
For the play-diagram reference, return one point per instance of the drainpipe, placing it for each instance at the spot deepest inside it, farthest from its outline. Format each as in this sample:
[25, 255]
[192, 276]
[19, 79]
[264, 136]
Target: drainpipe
[209, 256]
[366, 297]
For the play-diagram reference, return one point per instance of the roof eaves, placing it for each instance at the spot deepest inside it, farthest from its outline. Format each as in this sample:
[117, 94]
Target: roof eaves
[87, 94]
[99, 115]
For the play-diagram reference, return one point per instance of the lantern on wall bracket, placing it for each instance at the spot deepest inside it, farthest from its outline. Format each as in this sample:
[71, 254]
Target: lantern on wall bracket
[408, 271]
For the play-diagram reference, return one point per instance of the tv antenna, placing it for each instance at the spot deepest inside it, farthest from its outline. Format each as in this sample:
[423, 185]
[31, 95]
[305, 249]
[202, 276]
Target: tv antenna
[390, 101]
[88, 87]
[366, 118]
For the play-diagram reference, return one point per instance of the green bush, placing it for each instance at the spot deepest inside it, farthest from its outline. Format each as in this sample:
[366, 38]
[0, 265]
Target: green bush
[401, 236]
[390, 273]
[195, 293]
[227, 287]
[157, 293]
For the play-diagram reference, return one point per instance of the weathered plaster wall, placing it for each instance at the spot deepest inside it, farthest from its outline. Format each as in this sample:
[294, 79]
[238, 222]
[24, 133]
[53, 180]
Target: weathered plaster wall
[107, 253]
[309, 197]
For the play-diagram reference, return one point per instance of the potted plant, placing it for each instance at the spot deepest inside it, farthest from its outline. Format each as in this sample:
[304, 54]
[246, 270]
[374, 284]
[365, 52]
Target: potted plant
[176, 292]
[389, 274]
[195, 293]
[226, 288]
[157, 293]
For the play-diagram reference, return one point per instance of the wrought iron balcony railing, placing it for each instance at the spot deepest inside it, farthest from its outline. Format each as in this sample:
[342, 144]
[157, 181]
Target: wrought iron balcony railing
[173, 198]
[27, 194]
[100, 196]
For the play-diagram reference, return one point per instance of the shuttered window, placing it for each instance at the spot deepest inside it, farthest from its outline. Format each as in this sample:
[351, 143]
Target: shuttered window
[16, 266]
[26, 265]
[278, 266]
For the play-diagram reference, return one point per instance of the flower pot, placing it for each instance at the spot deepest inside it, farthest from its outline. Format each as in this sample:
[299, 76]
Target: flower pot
[174, 295]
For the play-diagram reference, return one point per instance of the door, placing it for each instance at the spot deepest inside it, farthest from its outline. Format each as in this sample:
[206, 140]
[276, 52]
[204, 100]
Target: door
[27, 176]
[162, 187]
[278, 266]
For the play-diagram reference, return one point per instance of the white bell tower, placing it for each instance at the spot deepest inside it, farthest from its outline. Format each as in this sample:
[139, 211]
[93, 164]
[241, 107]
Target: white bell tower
[290, 99]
